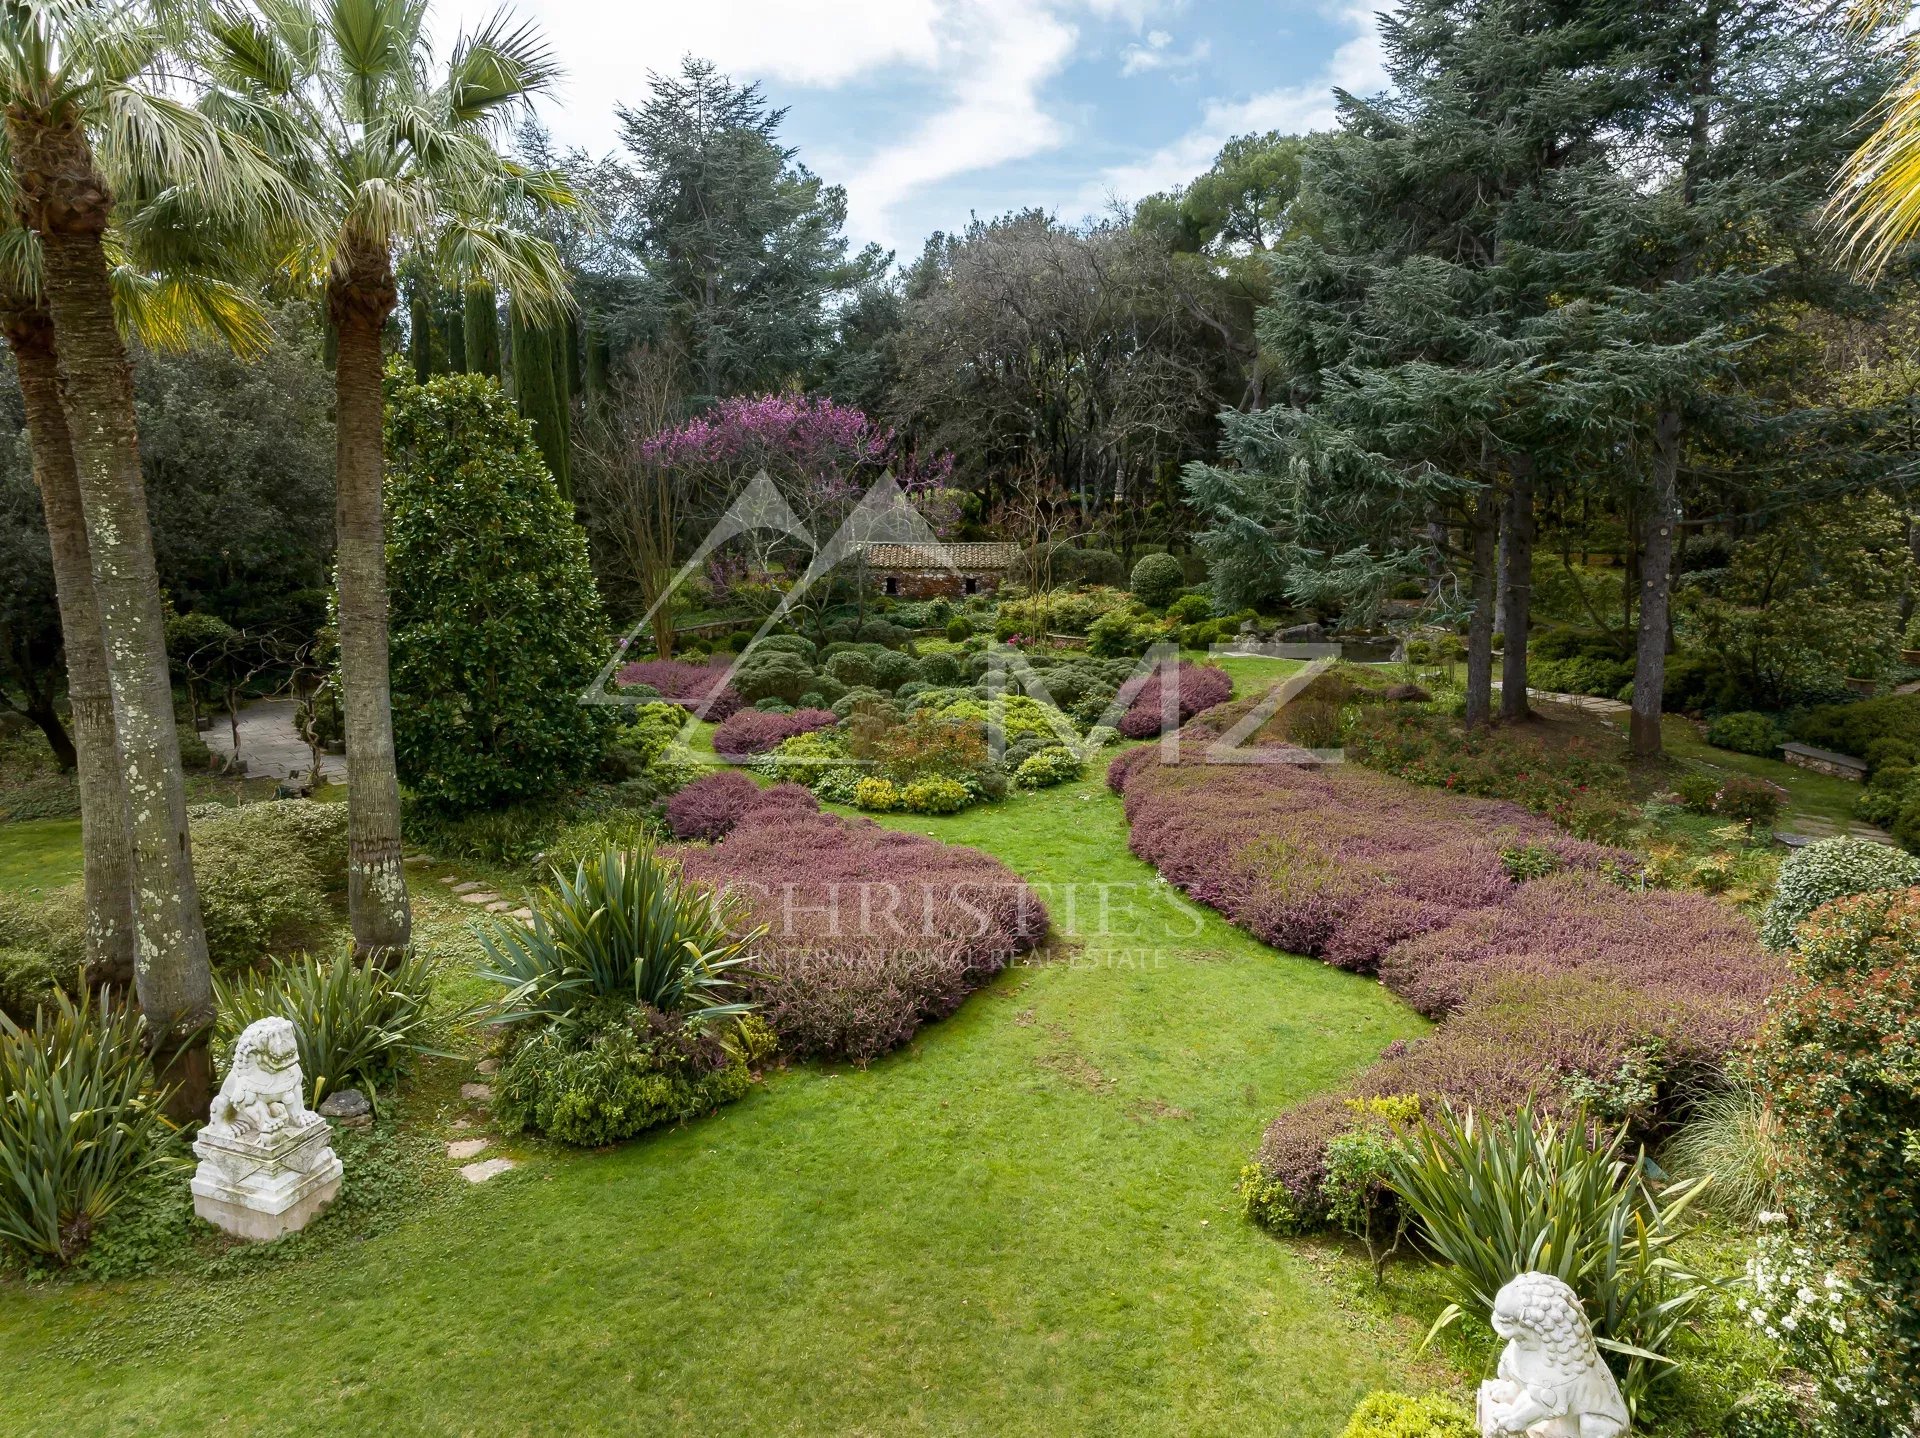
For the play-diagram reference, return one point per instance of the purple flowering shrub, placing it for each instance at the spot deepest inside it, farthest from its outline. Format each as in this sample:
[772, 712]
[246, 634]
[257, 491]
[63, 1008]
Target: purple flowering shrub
[871, 932]
[709, 807]
[701, 688]
[1542, 985]
[755, 731]
[1196, 689]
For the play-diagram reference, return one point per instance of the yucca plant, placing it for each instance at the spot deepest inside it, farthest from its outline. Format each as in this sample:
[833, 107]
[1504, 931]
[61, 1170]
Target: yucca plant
[627, 926]
[356, 1024]
[80, 1120]
[1539, 1194]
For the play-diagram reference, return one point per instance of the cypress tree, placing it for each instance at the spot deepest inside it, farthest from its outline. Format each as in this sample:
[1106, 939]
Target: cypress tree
[420, 327]
[482, 321]
[540, 390]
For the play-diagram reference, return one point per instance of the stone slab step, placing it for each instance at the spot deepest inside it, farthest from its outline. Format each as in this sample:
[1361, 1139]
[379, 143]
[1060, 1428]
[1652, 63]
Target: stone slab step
[487, 1168]
[467, 1148]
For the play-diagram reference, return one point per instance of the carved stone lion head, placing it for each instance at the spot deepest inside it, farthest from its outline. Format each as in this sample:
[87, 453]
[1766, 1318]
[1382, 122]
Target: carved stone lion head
[1541, 1315]
[267, 1047]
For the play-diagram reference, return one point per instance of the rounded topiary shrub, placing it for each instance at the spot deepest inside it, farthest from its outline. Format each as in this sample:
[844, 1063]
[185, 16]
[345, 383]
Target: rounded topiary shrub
[1156, 580]
[496, 627]
[1831, 869]
[1744, 731]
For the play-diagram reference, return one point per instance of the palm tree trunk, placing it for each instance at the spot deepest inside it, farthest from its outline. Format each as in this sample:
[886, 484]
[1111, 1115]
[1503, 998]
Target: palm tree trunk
[359, 302]
[106, 843]
[64, 199]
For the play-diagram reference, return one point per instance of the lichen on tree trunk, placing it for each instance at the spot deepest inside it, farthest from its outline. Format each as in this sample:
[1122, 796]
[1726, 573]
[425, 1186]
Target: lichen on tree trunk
[360, 297]
[106, 845]
[63, 199]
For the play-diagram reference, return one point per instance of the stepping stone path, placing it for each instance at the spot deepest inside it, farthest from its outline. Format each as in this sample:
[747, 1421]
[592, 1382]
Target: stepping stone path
[486, 1169]
[460, 1149]
[1811, 827]
[475, 1092]
[467, 1148]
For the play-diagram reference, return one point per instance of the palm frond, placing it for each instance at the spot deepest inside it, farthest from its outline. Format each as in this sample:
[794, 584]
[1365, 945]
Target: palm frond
[525, 265]
[500, 65]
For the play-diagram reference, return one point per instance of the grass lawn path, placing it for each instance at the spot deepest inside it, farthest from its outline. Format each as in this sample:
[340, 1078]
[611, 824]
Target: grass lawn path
[1021, 1224]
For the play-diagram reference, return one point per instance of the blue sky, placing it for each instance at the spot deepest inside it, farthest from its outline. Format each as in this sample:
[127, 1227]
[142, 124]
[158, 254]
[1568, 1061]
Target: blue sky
[930, 110]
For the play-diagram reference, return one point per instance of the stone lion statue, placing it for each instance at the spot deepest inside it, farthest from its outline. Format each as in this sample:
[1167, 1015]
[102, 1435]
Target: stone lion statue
[1552, 1382]
[265, 1091]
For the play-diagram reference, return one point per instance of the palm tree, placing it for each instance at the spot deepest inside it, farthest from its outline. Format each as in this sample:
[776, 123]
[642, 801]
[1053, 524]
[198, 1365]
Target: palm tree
[339, 92]
[78, 81]
[166, 311]
[1876, 199]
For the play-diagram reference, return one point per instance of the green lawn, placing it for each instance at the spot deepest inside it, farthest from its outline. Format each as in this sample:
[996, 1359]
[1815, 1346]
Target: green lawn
[39, 853]
[1022, 1224]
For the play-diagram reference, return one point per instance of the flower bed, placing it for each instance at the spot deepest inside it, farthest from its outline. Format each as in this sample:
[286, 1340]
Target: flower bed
[755, 731]
[711, 805]
[1564, 986]
[1197, 688]
[1336, 863]
[872, 933]
[702, 688]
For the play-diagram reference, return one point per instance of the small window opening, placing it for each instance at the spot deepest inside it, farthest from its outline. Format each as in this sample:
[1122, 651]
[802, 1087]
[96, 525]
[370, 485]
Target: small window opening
[973, 585]
[893, 584]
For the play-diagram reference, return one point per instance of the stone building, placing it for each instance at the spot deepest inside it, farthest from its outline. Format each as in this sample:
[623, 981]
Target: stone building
[932, 571]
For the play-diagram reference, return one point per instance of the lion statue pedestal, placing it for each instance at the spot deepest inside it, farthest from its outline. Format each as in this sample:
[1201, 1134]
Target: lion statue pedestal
[1553, 1382]
[266, 1167]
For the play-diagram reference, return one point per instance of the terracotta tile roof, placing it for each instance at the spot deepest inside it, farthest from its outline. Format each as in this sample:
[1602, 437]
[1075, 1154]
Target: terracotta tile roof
[942, 556]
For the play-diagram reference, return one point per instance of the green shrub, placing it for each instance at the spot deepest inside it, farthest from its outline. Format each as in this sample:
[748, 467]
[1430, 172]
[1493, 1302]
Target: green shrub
[1157, 578]
[1698, 792]
[512, 836]
[1191, 609]
[1854, 728]
[1745, 732]
[876, 795]
[1585, 674]
[1534, 1194]
[358, 1025]
[1749, 801]
[1399, 1415]
[1528, 861]
[1121, 634]
[497, 628]
[625, 927]
[1053, 765]
[1831, 869]
[959, 629]
[80, 1121]
[265, 872]
[1839, 1060]
[773, 674]
[42, 945]
[625, 1075]
[790, 643]
[934, 796]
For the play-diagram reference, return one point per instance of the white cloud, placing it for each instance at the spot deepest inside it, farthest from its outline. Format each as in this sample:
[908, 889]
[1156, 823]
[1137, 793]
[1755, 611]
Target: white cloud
[997, 56]
[607, 48]
[1293, 109]
[1156, 55]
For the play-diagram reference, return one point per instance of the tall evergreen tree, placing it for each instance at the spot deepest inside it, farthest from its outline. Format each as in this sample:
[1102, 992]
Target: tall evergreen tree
[742, 246]
[1407, 336]
[540, 388]
[481, 330]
